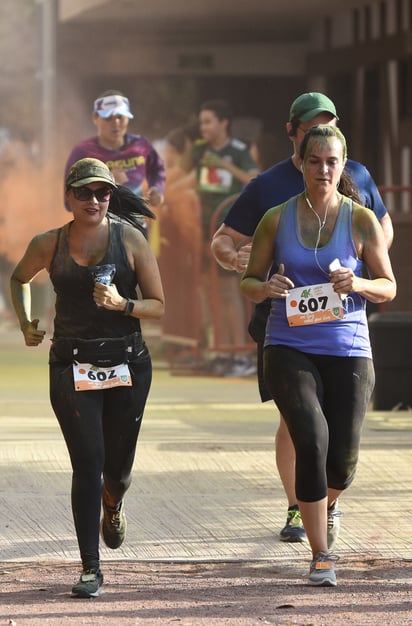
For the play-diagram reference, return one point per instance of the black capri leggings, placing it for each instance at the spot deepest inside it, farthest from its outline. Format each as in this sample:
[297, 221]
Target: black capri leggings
[323, 400]
[101, 430]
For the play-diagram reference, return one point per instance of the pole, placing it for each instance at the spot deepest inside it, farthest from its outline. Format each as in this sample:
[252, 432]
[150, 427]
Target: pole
[48, 81]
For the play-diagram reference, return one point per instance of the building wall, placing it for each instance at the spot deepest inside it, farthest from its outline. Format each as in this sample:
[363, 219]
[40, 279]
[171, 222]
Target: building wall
[361, 57]
[364, 57]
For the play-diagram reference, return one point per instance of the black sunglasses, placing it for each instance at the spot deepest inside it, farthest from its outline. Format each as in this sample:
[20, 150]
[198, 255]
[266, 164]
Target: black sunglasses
[103, 194]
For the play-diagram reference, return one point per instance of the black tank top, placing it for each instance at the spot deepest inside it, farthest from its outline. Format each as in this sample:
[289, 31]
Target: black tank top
[76, 312]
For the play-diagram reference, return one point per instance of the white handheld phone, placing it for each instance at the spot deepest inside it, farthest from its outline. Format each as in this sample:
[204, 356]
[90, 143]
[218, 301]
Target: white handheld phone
[333, 266]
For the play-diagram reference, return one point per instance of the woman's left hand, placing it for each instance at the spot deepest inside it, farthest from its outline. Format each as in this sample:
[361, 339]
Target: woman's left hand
[343, 280]
[108, 297]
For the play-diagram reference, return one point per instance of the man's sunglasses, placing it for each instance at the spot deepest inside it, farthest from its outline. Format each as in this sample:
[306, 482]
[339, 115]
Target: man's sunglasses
[103, 194]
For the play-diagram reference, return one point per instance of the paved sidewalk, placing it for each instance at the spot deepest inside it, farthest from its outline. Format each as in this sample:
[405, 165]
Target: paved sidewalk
[205, 486]
[204, 512]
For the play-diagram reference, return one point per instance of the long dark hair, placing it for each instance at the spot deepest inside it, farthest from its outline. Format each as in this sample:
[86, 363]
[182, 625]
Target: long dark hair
[347, 186]
[127, 207]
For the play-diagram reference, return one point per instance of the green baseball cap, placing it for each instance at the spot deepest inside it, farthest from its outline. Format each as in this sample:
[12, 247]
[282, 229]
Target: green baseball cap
[88, 171]
[309, 105]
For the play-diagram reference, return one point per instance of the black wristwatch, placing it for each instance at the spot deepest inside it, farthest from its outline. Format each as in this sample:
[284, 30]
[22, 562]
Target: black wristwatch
[129, 307]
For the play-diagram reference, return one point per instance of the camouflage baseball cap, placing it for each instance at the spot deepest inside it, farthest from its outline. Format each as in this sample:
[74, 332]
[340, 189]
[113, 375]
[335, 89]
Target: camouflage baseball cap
[88, 171]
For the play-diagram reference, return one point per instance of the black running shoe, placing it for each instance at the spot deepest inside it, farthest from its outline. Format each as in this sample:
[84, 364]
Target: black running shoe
[89, 585]
[114, 525]
[293, 532]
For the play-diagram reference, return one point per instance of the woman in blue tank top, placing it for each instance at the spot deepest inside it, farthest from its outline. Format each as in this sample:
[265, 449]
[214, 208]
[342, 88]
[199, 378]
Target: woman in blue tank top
[317, 362]
[100, 368]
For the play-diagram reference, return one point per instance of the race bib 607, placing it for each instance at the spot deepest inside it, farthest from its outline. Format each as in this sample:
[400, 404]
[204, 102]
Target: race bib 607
[313, 304]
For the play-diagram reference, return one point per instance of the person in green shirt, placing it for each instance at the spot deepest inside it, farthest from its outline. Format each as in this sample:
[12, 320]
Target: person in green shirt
[222, 166]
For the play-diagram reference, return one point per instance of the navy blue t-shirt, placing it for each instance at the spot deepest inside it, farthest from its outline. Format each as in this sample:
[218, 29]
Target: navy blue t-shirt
[283, 181]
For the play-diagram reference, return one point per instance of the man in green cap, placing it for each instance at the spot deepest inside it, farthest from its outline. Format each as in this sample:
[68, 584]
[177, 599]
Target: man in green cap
[231, 248]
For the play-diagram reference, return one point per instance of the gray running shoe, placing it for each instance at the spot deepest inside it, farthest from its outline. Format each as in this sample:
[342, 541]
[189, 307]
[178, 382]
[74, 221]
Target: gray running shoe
[322, 570]
[114, 524]
[89, 584]
[334, 516]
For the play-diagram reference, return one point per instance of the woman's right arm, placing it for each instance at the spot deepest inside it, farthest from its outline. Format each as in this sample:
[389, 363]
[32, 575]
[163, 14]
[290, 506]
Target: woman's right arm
[37, 257]
[255, 283]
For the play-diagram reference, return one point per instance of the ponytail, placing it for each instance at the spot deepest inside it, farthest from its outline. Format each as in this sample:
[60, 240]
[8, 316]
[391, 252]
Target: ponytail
[127, 207]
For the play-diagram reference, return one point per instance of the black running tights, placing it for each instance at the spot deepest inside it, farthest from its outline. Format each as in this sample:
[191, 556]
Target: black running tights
[323, 400]
[101, 430]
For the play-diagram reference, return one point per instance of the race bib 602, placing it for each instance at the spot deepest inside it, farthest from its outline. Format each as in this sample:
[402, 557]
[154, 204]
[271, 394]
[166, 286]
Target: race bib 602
[88, 377]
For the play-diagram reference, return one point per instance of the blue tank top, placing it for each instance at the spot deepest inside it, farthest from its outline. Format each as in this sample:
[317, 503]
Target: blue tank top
[76, 312]
[341, 337]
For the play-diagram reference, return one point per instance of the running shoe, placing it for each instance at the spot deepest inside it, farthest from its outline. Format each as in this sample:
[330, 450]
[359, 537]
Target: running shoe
[242, 366]
[334, 516]
[293, 531]
[219, 366]
[114, 525]
[89, 584]
[322, 570]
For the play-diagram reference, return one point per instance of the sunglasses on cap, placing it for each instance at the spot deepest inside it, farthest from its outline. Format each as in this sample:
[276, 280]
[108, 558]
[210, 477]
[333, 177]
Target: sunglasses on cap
[103, 194]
